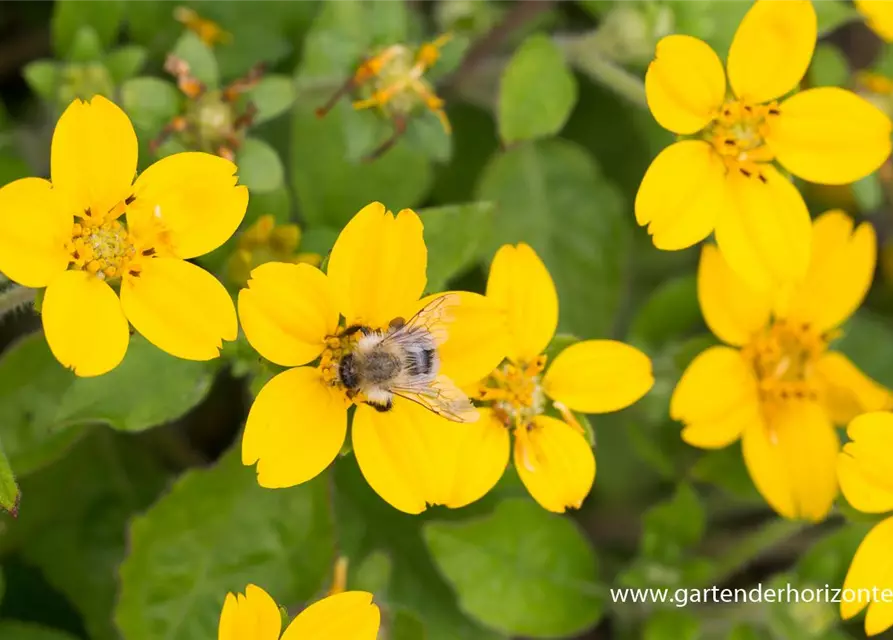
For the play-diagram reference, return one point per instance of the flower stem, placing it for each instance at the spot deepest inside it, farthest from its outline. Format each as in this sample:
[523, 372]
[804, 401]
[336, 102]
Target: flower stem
[15, 298]
[585, 53]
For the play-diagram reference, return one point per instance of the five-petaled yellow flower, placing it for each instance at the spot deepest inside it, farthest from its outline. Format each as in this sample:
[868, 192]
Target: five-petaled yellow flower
[350, 615]
[878, 15]
[291, 313]
[866, 479]
[552, 456]
[92, 229]
[724, 178]
[778, 386]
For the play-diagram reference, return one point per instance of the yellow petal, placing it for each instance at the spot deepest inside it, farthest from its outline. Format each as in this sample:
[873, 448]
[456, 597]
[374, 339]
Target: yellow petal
[377, 266]
[878, 15]
[477, 341]
[793, 460]
[555, 463]
[681, 194]
[733, 310]
[772, 49]
[33, 231]
[287, 311]
[481, 455]
[345, 616]
[93, 156]
[253, 616]
[847, 391]
[685, 84]
[829, 135]
[764, 234]
[716, 399]
[295, 428]
[863, 468]
[840, 272]
[520, 284]
[872, 567]
[194, 197]
[403, 456]
[229, 627]
[180, 308]
[598, 376]
[84, 323]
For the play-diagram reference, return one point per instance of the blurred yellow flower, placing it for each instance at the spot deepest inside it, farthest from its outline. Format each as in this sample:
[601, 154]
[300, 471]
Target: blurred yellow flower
[263, 242]
[350, 615]
[778, 386]
[866, 479]
[68, 236]
[723, 180]
[878, 15]
[298, 422]
[552, 456]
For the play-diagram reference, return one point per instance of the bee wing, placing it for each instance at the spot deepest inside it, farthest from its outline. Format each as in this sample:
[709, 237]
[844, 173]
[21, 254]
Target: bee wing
[442, 397]
[431, 320]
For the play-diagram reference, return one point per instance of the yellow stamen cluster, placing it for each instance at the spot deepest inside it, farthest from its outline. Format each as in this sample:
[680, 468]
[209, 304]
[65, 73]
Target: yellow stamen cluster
[737, 134]
[516, 393]
[336, 348]
[397, 79]
[783, 358]
[105, 249]
[263, 242]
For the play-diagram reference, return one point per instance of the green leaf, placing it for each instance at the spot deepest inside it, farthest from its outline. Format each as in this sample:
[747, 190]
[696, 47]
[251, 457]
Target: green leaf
[714, 21]
[43, 78]
[9, 493]
[672, 625]
[521, 570]
[426, 134]
[746, 631]
[273, 96]
[77, 537]
[260, 168]
[537, 91]
[372, 574]
[201, 60]
[126, 62]
[831, 15]
[868, 192]
[725, 468]
[454, 236]
[86, 46]
[69, 16]
[406, 626]
[150, 102]
[216, 532]
[679, 521]
[868, 341]
[15, 630]
[551, 195]
[669, 312]
[828, 560]
[829, 67]
[42, 403]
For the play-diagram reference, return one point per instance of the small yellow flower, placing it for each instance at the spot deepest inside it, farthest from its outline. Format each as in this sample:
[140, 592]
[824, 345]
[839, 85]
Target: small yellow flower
[263, 242]
[778, 386]
[866, 479]
[291, 314]
[93, 228]
[553, 457]
[207, 31]
[350, 615]
[878, 15]
[724, 178]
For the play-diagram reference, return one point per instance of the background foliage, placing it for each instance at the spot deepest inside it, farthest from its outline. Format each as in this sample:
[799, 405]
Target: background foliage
[136, 515]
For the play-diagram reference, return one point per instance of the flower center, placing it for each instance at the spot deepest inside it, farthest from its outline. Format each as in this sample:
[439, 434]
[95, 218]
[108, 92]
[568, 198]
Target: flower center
[783, 358]
[516, 393]
[738, 133]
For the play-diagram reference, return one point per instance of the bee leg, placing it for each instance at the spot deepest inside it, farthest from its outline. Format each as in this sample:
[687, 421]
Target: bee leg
[381, 407]
[354, 328]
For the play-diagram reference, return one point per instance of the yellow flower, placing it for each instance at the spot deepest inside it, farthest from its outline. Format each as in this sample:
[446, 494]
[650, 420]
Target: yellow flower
[290, 314]
[878, 15]
[350, 615]
[778, 386]
[68, 235]
[552, 456]
[866, 479]
[723, 180]
[263, 242]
